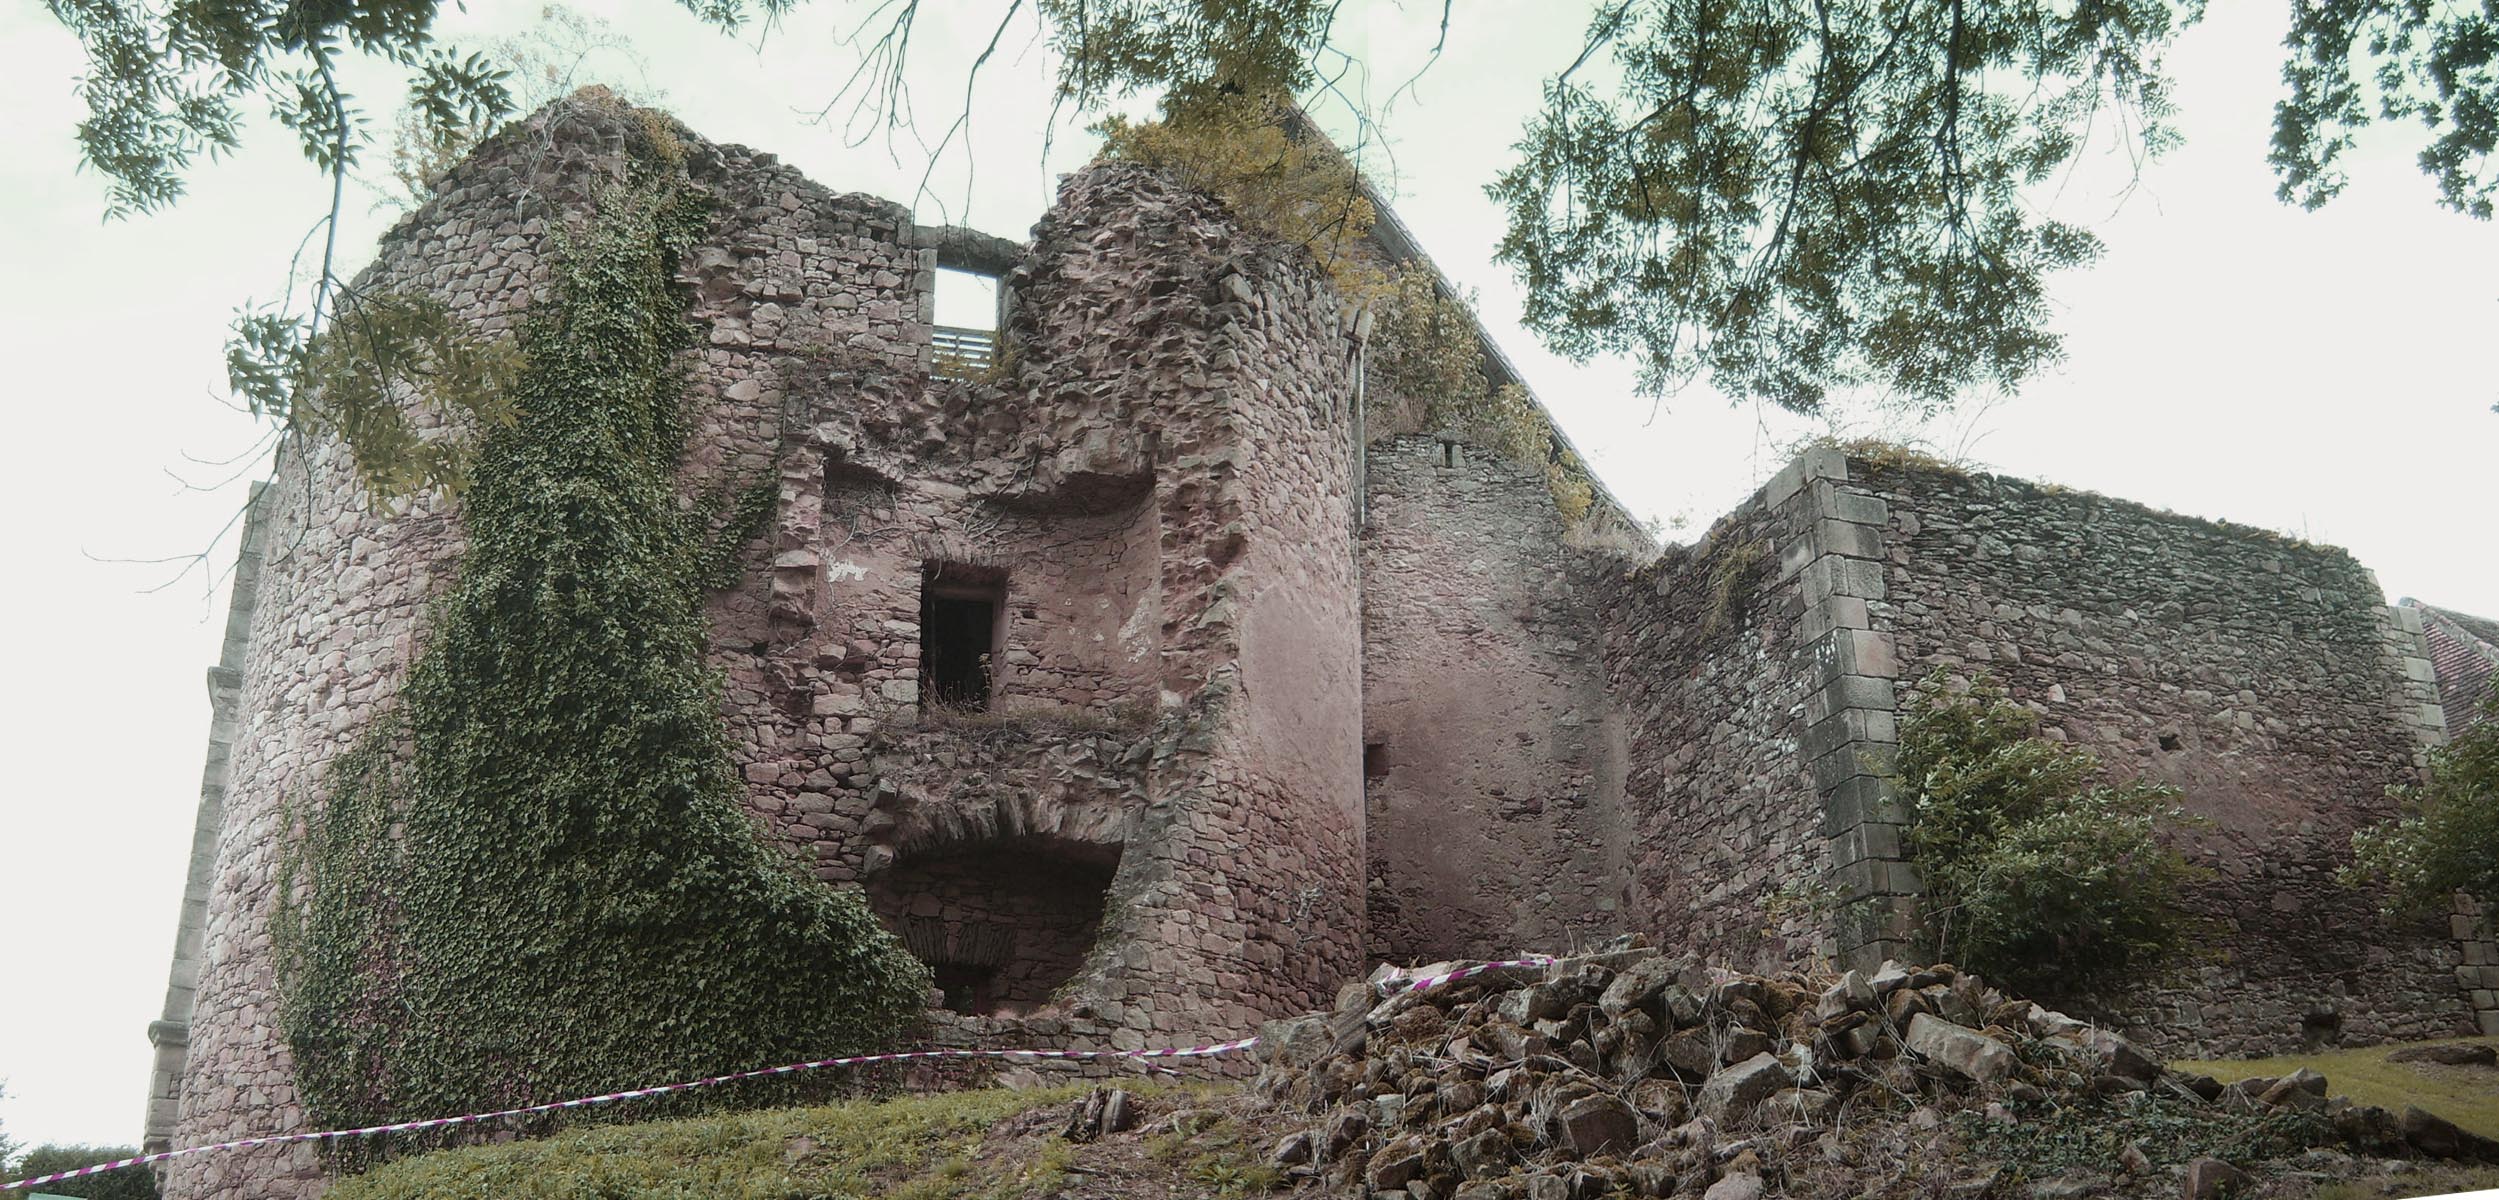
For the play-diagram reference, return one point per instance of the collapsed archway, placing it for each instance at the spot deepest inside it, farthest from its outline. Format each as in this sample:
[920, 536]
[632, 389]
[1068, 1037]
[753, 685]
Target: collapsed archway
[1001, 923]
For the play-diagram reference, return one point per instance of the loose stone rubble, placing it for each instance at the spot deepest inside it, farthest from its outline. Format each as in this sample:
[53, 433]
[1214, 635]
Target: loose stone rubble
[1632, 1072]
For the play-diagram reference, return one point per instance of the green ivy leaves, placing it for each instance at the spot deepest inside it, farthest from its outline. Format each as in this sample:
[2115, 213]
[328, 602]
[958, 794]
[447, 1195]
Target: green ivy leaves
[574, 901]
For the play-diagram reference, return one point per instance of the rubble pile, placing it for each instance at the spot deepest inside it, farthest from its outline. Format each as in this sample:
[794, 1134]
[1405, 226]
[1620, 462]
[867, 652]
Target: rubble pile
[1632, 1072]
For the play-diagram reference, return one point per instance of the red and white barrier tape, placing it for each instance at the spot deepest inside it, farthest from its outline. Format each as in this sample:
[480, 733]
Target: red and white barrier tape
[1409, 983]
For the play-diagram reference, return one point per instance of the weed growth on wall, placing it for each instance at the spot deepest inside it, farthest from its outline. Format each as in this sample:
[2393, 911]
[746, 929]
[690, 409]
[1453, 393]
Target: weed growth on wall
[2448, 839]
[1295, 189]
[1426, 351]
[574, 900]
[2035, 873]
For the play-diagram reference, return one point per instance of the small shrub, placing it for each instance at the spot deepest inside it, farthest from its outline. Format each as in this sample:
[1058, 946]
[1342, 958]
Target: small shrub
[2444, 843]
[1238, 150]
[2034, 873]
[128, 1183]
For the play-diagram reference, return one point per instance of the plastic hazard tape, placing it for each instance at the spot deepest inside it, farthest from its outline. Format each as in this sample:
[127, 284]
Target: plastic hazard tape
[1418, 983]
[1397, 983]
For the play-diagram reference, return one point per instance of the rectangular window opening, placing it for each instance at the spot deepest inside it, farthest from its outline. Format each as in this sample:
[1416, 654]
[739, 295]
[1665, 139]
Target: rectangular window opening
[1375, 760]
[960, 633]
[965, 339]
[969, 988]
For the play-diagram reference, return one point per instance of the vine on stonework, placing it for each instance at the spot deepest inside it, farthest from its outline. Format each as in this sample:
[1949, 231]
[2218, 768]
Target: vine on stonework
[537, 881]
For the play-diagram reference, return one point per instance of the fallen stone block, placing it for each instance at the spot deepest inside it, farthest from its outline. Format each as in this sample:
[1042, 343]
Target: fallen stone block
[2452, 1054]
[1594, 1125]
[1975, 1055]
[2213, 1179]
[1734, 1092]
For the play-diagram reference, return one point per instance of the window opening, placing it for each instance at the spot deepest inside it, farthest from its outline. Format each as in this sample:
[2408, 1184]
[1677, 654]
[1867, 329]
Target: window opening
[1375, 760]
[1449, 454]
[969, 988]
[960, 631]
[966, 334]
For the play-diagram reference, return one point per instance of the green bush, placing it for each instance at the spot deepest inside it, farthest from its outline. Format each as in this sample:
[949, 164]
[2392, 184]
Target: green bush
[2034, 873]
[2448, 840]
[8, 1147]
[538, 881]
[128, 1183]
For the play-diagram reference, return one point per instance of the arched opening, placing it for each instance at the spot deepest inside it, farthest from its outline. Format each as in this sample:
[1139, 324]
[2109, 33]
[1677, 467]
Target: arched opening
[1001, 923]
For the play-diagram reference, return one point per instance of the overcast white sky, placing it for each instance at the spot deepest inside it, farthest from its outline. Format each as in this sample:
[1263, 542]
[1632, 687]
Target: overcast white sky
[2324, 374]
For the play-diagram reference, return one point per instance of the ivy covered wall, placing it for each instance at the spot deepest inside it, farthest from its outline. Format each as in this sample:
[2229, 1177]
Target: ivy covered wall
[539, 883]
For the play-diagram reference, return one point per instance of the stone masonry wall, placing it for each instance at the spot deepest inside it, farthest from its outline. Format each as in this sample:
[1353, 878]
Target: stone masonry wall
[1493, 763]
[1015, 909]
[1161, 472]
[2247, 669]
[1702, 656]
[171, 1033]
[333, 629]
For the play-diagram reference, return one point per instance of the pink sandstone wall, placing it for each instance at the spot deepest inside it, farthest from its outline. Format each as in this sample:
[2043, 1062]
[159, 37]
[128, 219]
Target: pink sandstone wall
[2259, 674]
[1495, 774]
[1162, 474]
[1702, 653]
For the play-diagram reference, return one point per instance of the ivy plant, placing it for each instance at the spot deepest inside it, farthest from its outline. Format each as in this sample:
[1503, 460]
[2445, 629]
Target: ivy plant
[537, 882]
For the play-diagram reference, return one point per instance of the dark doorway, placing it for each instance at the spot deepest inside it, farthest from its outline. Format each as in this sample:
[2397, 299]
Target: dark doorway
[959, 610]
[1001, 924]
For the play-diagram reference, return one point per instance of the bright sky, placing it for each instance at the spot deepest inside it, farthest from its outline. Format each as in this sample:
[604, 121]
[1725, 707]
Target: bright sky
[2323, 374]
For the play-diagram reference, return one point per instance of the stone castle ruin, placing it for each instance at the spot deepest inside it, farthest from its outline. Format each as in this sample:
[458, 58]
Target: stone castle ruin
[1147, 693]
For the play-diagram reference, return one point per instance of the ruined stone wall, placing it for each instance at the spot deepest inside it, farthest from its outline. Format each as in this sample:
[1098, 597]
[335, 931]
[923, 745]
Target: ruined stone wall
[1493, 765]
[1025, 921]
[1261, 511]
[1160, 472]
[2247, 669]
[335, 624]
[1702, 658]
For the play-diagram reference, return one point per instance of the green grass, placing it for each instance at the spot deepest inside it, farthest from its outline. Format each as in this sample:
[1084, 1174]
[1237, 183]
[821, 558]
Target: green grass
[928, 1147]
[2434, 1180]
[2468, 1096]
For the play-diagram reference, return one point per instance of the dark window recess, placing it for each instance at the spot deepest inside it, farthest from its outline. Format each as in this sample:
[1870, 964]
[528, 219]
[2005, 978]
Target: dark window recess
[958, 636]
[1374, 760]
[1449, 454]
[969, 988]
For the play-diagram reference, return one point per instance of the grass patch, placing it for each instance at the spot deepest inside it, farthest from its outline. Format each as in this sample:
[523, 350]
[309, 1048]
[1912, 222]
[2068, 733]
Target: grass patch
[2468, 1096]
[2172, 1132]
[928, 1147]
[2435, 1180]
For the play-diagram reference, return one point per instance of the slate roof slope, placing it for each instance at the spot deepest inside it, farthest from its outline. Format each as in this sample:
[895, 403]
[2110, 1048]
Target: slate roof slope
[2464, 650]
